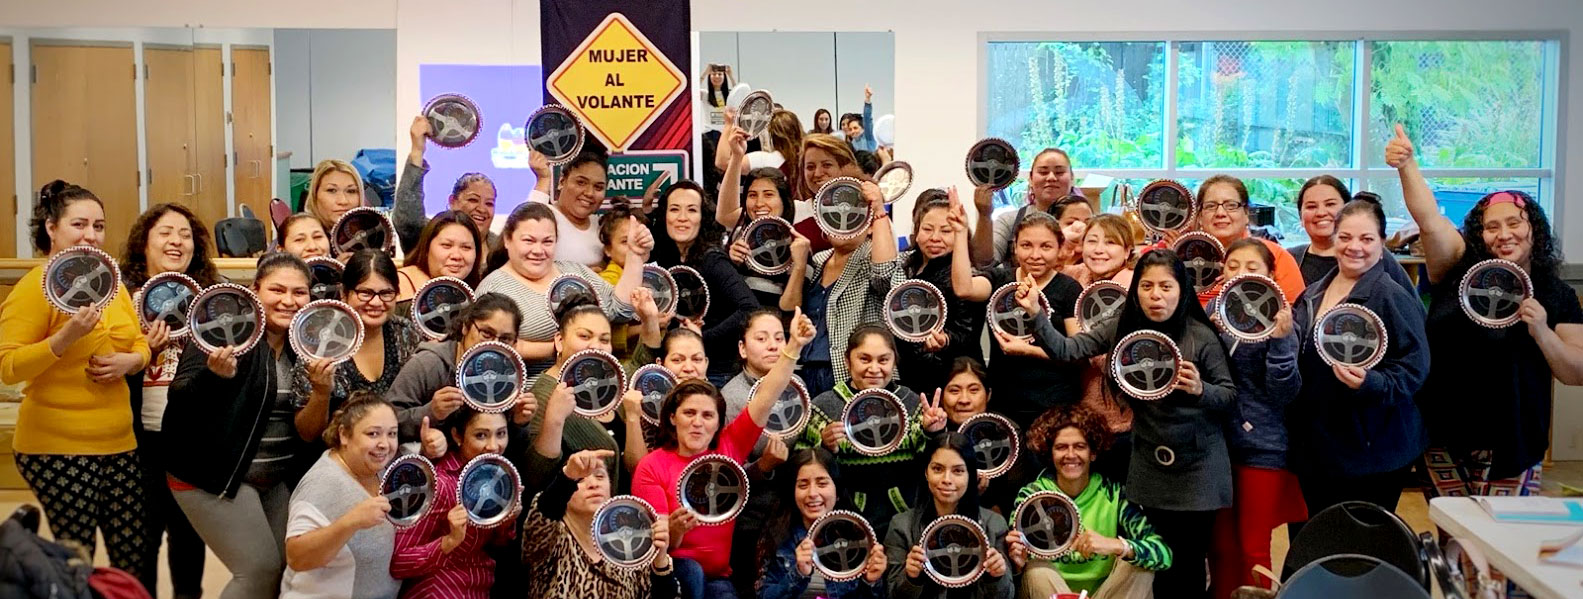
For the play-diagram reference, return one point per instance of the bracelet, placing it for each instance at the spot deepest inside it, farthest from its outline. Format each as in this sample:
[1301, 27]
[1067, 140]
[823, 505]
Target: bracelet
[789, 356]
[669, 568]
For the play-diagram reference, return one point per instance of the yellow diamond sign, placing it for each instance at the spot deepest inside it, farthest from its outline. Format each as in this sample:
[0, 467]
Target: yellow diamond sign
[617, 82]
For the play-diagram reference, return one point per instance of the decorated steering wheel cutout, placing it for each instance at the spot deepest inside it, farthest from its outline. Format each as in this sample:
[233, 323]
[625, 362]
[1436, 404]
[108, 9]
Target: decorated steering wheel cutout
[489, 490]
[893, 179]
[409, 484]
[437, 304]
[955, 549]
[1165, 205]
[1049, 524]
[80, 277]
[995, 442]
[769, 240]
[596, 381]
[653, 382]
[790, 412]
[1351, 335]
[714, 488]
[1007, 316]
[841, 542]
[363, 228]
[1247, 307]
[623, 531]
[754, 115]
[491, 376]
[914, 310]
[454, 120]
[875, 422]
[663, 286]
[1203, 256]
[840, 210]
[1098, 302]
[1492, 293]
[692, 292]
[165, 298]
[1145, 364]
[566, 287]
[556, 133]
[324, 282]
[326, 330]
[226, 315]
[992, 162]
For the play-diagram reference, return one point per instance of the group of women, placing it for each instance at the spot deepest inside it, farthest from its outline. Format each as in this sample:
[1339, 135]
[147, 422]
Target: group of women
[272, 460]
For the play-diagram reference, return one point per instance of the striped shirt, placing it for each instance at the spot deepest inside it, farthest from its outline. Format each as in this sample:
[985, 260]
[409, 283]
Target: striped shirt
[279, 445]
[538, 324]
[467, 572]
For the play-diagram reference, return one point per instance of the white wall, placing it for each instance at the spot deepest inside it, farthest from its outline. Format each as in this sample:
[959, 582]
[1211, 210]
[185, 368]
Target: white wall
[830, 71]
[336, 91]
[293, 118]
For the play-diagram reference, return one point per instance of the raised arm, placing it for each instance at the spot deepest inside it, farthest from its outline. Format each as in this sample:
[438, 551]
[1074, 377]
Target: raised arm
[882, 240]
[639, 243]
[791, 296]
[984, 232]
[1443, 244]
[408, 213]
[770, 387]
[728, 204]
[728, 131]
[963, 283]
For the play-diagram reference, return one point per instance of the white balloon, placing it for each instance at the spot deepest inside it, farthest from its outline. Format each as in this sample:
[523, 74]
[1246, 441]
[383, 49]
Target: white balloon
[885, 130]
[734, 99]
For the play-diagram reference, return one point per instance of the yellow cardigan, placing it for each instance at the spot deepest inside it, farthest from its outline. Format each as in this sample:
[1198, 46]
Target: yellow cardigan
[63, 411]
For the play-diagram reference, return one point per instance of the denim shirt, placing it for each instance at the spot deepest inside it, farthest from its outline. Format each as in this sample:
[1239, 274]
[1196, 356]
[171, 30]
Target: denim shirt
[781, 580]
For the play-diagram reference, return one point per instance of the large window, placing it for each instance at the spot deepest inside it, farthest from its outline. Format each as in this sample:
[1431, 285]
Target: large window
[1275, 113]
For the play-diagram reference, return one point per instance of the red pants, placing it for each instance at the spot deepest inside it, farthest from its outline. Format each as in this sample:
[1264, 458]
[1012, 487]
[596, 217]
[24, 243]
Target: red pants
[1264, 498]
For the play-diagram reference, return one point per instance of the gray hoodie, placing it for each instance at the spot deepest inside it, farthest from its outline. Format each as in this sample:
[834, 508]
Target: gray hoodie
[432, 367]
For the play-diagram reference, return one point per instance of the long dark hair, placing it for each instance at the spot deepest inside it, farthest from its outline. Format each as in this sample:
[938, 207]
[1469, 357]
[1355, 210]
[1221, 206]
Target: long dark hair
[53, 198]
[960, 444]
[1133, 317]
[134, 260]
[829, 126]
[929, 199]
[666, 253]
[420, 253]
[1545, 257]
[783, 512]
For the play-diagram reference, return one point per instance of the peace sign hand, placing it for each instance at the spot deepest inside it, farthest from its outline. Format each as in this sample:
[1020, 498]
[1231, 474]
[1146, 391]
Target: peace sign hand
[932, 417]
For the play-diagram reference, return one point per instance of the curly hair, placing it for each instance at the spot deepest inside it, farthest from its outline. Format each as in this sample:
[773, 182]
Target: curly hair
[1041, 436]
[1545, 257]
[134, 259]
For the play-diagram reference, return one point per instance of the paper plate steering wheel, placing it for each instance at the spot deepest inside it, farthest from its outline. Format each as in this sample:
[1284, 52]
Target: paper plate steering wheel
[663, 286]
[1049, 524]
[409, 484]
[491, 375]
[1492, 293]
[489, 490]
[165, 298]
[875, 422]
[914, 310]
[437, 303]
[841, 542]
[364, 228]
[692, 292]
[1248, 305]
[791, 410]
[324, 281]
[1100, 301]
[80, 277]
[226, 315]
[1351, 335]
[996, 443]
[1203, 256]
[754, 115]
[955, 549]
[454, 120]
[623, 531]
[992, 162]
[714, 488]
[596, 381]
[554, 132]
[1145, 364]
[893, 179]
[1007, 316]
[326, 330]
[654, 382]
[769, 240]
[1165, 205]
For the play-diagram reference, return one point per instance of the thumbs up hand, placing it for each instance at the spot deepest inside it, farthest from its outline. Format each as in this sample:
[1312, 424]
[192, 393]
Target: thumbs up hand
[1399, 150]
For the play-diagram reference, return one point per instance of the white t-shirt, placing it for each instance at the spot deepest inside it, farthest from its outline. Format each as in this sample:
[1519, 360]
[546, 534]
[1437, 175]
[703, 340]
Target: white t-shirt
[361, 569]
[571, 243]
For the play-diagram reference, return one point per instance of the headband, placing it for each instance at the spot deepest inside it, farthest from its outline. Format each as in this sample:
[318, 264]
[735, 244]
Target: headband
[1505, 197]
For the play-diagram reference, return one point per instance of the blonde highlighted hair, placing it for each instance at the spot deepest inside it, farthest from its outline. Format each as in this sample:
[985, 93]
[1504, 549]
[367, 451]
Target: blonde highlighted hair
[829, 144]
[320, 171]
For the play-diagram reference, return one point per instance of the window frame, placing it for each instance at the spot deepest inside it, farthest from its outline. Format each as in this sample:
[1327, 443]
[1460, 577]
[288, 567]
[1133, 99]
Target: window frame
[1552, 151]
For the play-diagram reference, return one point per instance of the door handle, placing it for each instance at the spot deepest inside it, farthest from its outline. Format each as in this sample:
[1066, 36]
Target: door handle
[258, 168]
[192, 184]
[200, 181]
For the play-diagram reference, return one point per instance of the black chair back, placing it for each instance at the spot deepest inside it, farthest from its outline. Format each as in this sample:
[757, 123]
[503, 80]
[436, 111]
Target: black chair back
[1358, 528]
[1351, 575]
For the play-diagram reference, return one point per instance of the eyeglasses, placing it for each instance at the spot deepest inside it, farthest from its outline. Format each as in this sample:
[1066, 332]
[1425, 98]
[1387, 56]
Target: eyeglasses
[368, 295]
[489, 334]
[1229, 207]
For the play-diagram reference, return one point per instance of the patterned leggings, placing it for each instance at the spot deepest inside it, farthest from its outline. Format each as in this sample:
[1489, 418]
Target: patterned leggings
[84, 494]
[1470, 477]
